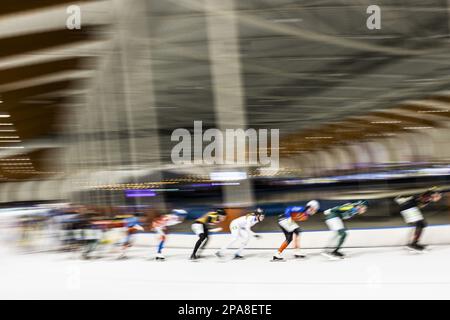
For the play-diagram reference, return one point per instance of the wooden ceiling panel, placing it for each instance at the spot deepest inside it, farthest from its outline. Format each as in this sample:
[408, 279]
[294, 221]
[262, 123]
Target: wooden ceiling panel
[28, 72]
[12, 96]
[17, 6]
[34, 41]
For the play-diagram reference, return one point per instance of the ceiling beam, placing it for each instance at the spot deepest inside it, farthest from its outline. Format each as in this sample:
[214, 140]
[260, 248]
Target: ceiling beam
[31, 71]
[30, 42]
[13, 6]
[24, 93]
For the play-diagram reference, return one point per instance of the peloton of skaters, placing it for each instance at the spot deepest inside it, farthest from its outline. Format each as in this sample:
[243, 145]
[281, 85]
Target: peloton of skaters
[241, 233]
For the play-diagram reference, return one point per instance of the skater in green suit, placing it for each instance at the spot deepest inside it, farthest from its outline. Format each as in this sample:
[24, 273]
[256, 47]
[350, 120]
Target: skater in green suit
[334, 219]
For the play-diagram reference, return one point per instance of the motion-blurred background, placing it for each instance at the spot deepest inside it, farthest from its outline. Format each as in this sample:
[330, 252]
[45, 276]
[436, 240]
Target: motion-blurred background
[86, 115]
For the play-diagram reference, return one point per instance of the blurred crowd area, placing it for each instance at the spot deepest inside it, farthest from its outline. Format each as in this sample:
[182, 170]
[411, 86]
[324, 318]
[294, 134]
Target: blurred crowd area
[63, 228]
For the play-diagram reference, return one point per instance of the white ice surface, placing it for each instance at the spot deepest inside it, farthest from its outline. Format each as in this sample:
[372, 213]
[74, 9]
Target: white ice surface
[372, 273]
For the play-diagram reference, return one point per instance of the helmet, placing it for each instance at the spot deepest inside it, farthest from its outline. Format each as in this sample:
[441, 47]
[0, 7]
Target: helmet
[179, 212]
[220, 211]
[259, 211]
[313, 204]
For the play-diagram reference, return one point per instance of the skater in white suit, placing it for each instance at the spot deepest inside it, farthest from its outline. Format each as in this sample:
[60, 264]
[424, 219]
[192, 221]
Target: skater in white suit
[241, 232]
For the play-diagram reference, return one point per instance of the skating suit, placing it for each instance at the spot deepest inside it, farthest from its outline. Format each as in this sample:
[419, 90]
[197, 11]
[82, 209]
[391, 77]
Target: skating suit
[291, 215]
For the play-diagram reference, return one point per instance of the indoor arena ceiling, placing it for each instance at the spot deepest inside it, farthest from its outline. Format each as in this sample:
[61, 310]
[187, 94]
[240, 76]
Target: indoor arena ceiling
[306, 65]
[44, 67]
[309, 68]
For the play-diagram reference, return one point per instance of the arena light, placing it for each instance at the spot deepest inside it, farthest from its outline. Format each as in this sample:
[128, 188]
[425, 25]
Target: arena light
[15, 159]
[287, 20]
[228, 176]
[17, 147]
[380, 135]
[314, 138]
[417, 128]
[386, 122]
[433, 111]
[225, 184]
[131, 193]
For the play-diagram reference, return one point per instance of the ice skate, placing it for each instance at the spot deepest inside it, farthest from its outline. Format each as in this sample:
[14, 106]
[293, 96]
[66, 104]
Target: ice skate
[416, 248]
[194, 258]
[122, 256]
[160, 257]
[332, 255]
[299, 255]
[277, 258]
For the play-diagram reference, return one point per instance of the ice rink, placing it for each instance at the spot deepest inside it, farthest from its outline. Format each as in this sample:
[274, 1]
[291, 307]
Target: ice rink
[366, 273]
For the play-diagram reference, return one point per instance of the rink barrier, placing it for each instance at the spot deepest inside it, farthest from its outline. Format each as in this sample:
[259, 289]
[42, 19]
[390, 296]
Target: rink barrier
[313, 239]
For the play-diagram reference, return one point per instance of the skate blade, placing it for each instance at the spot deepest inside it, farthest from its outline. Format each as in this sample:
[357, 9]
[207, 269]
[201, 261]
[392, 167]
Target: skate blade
[280, 260]
[299, 256]
[410, 250]
[330, 257]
